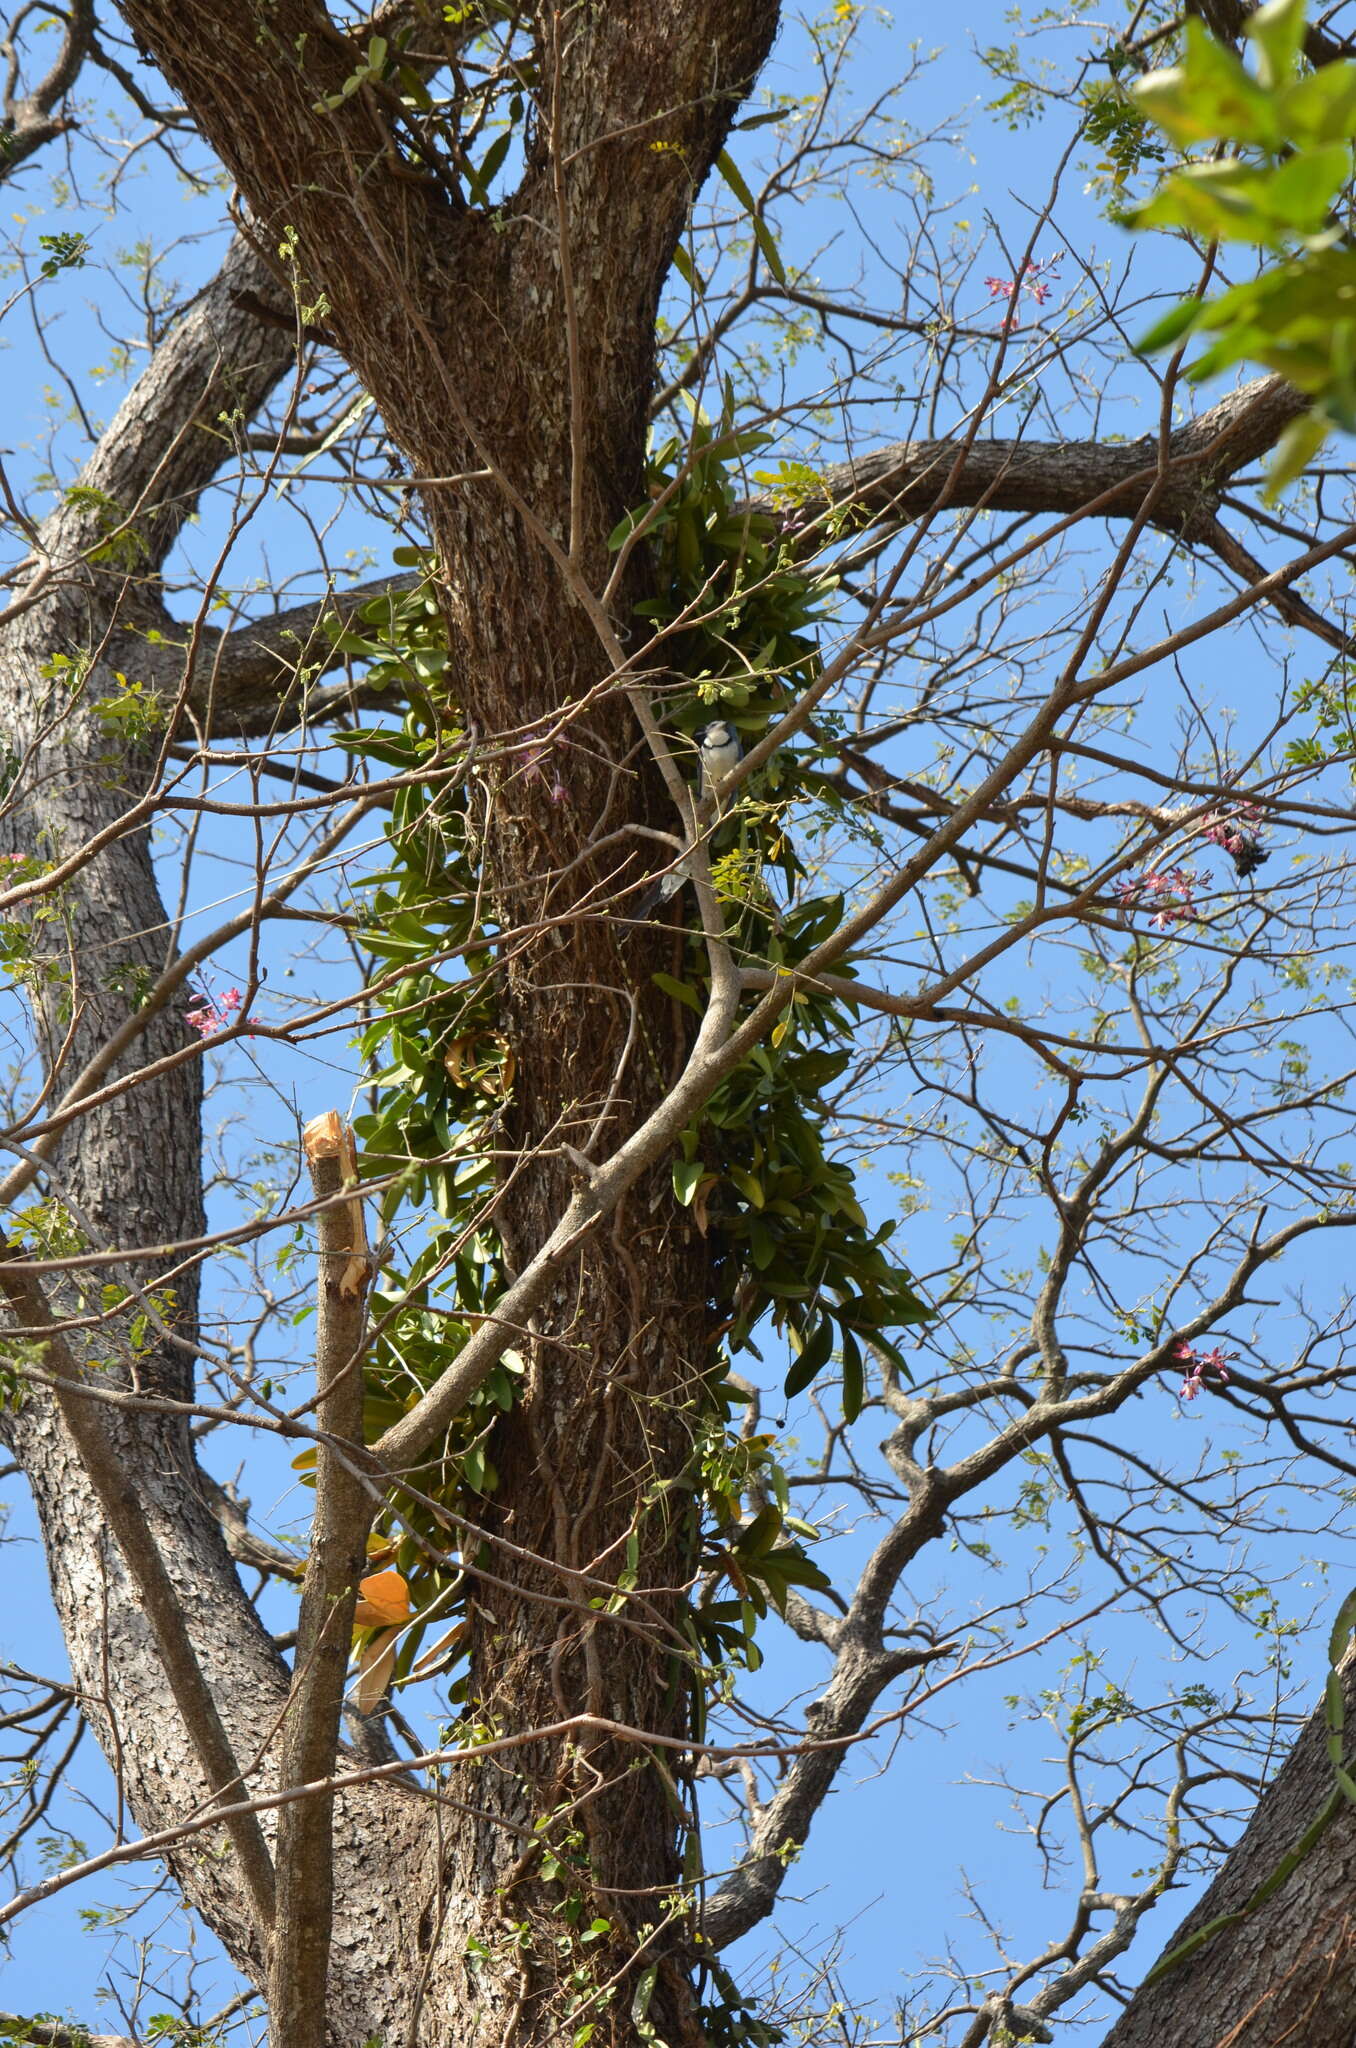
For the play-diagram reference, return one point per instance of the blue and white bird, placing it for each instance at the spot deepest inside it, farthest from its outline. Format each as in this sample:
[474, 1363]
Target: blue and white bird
[719, 751]
[720, 754]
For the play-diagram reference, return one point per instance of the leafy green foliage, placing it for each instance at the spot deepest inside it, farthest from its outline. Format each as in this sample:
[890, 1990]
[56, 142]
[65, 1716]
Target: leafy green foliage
[131, 711]
[763, 234]
[369, 72]
[1280, 192]
[435, 127]
[1330, 702]
[65, 251]
[123, 547]
[731, 573]
[1114, 125]
[729, 2019]
[790, 1240]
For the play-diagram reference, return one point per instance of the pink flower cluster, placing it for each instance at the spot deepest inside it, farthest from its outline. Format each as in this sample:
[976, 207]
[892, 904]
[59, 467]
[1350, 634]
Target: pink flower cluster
[1198, 1364]
[1172, 892]
[209, 1014]
[1032, 281]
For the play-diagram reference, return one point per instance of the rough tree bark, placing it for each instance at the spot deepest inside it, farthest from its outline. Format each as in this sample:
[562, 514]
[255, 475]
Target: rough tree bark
[1287, 1973]
[130, 1170]
[558, 408]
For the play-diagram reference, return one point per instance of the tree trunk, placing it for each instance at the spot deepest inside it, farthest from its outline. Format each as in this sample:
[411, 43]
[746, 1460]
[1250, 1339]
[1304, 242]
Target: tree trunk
[129, 1173]
[482, 350]
[1287, 1973]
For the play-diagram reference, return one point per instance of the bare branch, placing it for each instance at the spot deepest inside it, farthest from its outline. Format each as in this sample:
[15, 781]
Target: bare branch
[299, 1966]
[253, 675]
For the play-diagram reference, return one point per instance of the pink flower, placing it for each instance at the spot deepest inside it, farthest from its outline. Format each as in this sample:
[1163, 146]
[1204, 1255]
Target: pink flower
[1030, 281]
[207, 1015]
[1171, 891]
[1198, 1364]
[536, 751]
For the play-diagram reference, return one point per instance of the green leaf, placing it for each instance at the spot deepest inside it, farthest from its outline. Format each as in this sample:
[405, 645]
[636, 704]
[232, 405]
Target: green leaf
[1322, 106]
[815, 1355]
[1208, 97]
[1244, 203]
[687, 1178]
[1168, 331]
[482, 176]
[1300, 192]
[688, 271]
[767, 241]
[681, 991]
[1293, 453]
[759, 1535]
[644, 1992]
[854, 1387]
[1277, 31]
[1342, 1628]
[762, 1244]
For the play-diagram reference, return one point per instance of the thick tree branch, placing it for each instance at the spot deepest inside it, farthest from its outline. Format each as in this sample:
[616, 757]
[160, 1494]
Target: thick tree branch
[176, 426]
[245, 677]
[122, 1509]
[1287, 1972]
[859, 1678]
[30, 119]
[245, 1546]
[344, 1502]
[44, 2034]
[909, 478]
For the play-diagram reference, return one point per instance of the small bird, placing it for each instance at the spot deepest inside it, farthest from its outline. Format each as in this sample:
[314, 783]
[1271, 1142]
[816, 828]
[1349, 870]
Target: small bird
[719, 751]
[1245, 850]
[1240, 838]
[721, 754]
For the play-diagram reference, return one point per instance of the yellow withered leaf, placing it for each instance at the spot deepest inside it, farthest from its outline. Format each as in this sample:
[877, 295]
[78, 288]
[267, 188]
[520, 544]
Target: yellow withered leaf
[375, 1666]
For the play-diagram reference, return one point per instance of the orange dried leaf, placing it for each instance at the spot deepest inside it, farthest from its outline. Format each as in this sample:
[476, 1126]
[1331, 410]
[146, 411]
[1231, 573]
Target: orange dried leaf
[383, 1599]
